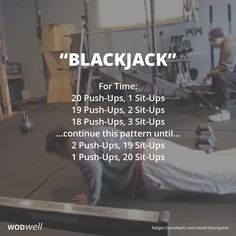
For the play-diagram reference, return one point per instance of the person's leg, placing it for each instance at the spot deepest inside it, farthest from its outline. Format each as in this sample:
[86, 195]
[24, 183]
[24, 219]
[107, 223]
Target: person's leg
[182, 169]
[221, 93]
[223, 89]
[230, 83]
[190, 170]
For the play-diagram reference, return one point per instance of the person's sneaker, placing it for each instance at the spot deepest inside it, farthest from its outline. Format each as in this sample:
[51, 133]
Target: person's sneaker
[219, 116]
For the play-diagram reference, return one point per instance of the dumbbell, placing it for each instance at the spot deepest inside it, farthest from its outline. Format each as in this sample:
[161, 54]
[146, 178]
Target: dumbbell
[193, 73]
[206, 148]
[187, 46]
[204, 130]
[205, 140]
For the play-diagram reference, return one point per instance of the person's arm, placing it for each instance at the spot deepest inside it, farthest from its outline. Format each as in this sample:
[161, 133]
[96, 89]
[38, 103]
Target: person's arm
[92, 173]
[226, 64]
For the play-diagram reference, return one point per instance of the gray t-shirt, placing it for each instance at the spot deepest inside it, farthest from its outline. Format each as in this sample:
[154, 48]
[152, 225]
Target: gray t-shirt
[227, 60]
[102, 175]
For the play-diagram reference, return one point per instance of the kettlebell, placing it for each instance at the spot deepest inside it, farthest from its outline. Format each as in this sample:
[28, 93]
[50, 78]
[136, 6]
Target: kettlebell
[26, 125]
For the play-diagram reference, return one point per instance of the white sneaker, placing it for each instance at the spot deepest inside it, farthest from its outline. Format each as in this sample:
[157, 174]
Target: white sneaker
[219, 116]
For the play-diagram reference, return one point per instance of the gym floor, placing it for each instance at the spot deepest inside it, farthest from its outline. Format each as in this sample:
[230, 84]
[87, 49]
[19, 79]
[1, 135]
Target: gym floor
[28, 171]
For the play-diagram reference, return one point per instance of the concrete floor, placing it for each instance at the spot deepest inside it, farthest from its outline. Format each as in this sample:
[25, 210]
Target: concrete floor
[27, 171]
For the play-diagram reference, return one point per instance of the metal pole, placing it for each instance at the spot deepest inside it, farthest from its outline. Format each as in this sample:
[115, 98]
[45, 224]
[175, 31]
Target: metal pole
[211, 26]
[79, 67]
[230, 18]
[153, 37]
[147, 27]
[86, 16]
[83, 42]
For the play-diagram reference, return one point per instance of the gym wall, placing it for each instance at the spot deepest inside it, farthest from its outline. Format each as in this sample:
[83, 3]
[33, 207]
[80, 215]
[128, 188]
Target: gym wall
[110, 13]
[22, 42]
[1, 18]
[133, 40]
[23, 46]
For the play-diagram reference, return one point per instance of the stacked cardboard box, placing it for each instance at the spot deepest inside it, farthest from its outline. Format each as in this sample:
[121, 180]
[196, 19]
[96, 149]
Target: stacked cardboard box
[56, 40]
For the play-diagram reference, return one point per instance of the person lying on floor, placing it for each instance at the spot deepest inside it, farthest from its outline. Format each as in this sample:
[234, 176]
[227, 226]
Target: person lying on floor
[182, 168]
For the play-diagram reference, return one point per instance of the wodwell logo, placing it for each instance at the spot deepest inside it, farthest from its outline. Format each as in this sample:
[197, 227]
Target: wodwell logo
[22, 227]
[126, 60]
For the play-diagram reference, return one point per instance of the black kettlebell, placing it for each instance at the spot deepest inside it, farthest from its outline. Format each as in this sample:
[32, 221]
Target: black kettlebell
[26, 125]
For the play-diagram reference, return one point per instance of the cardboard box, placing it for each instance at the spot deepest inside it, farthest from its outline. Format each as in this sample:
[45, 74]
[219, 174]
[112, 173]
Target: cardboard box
[59, 91]
[55, 37]
[58, 68]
